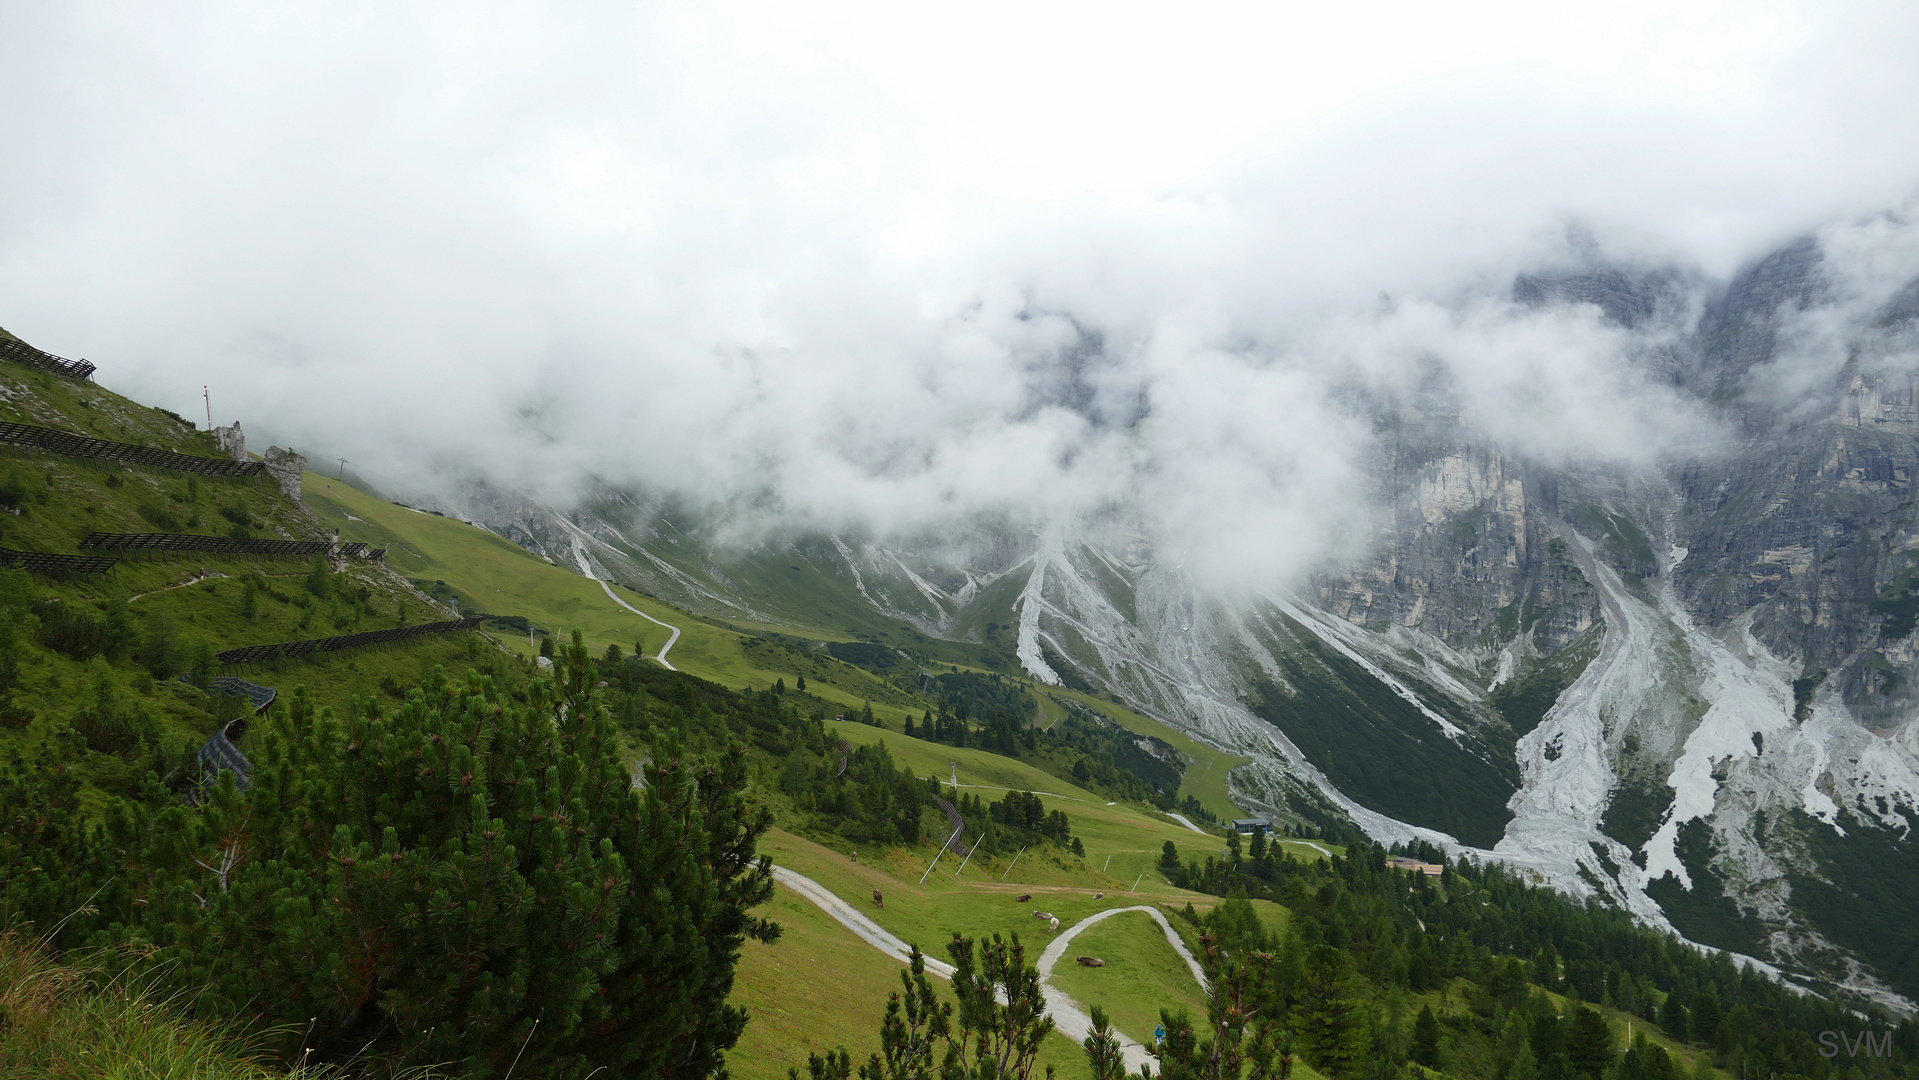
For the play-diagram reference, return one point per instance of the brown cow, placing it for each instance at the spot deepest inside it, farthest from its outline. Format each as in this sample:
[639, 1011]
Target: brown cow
[1091, 961]
[1022, 898]
[878, 899]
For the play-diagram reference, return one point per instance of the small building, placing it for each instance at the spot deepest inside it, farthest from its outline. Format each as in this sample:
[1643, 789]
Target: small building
[1426, 868]
[1247, 826]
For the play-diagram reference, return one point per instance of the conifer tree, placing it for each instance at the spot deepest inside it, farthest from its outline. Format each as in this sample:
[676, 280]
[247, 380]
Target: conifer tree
[51, 862]
[1329, 1016]
[1426, 1038]
[1705, 1016]
[467, 882]
[1103, 1052]
[995, 1032]
[1672, 1017]
[319, 580]
[799, 683]
[1589, 1042]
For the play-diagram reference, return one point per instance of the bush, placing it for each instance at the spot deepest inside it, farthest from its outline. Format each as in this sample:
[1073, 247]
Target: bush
[70, 629]
[467, 883]
[159, 516]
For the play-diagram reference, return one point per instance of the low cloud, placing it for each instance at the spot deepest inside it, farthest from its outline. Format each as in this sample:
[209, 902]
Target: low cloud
[845, 269]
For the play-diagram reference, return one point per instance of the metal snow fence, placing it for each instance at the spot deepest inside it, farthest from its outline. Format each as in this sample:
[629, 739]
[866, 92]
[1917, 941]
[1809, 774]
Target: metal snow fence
[66, 442]
[293, 650]
[219, 754]
[212, 545]
[47, 564]
[260, 697]
[22, 353]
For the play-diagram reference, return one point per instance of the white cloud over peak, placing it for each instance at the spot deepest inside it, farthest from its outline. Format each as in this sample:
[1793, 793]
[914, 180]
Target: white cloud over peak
[888, 265]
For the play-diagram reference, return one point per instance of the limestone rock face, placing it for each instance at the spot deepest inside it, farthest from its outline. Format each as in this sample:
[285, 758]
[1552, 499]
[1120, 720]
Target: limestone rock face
[232, 441]
[286, 468]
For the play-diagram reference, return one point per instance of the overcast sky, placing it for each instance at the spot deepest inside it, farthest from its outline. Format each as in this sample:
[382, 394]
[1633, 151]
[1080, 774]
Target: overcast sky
[885, 263]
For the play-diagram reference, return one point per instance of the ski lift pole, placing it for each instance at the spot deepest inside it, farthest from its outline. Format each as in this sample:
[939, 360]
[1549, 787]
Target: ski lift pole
[936, 858]
[969, 858]
[1136, 881]
[1010, 865]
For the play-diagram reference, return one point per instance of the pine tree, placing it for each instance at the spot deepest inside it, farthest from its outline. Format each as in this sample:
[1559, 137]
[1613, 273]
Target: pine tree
[1589, 1043]
[1704, 1016]
[1103, 1049]
[779, 687]
[468, 881]
[1426, 1038]
[1672, 1017]
[1525, 1065]
[612, 657]
[52, 863]
[319, 580]
[1168, 858]
[799, 683]
[1243, 1024]
[1329, 1017]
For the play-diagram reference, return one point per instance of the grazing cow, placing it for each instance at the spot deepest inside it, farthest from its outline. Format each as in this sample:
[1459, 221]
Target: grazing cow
[1042, 916]
[1022, 898]
[1091, 961]
[878, 899]
[1099, 896]
[1053, 926]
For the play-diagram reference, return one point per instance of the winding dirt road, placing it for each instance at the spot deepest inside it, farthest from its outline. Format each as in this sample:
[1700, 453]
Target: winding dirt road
[1070, 1018]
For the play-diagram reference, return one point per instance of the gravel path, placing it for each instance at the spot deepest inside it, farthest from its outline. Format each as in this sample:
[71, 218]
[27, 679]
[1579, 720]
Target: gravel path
[670, 638]
[1069, 1017]
[1183, 820]
[1063, 1007]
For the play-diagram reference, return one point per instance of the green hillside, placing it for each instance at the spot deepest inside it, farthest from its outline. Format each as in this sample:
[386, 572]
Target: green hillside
[102, 654]
[110, 844]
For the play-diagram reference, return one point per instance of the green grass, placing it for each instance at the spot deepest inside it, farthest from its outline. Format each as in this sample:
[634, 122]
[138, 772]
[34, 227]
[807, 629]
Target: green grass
[198, 596]
[1205, 776]
[62, 1022]
[506, 579]
[1142, 974]
[820, 987]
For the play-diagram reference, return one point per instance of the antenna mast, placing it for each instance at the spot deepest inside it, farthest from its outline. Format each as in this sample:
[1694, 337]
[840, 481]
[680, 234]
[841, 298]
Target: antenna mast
[208, 395]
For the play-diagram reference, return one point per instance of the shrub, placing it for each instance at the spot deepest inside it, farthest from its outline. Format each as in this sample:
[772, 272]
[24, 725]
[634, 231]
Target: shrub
[159, 516]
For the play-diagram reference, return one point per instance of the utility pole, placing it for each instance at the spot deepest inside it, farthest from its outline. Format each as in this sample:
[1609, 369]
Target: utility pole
[342, 476]
[208, 395]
